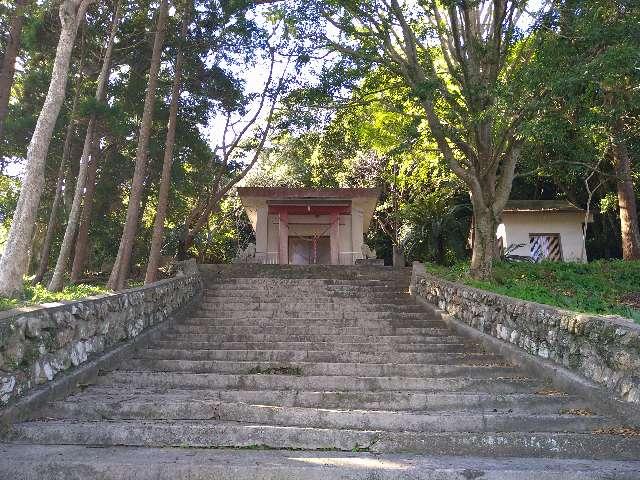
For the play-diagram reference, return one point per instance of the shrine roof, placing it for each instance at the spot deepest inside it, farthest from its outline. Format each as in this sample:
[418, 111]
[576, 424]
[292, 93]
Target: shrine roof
[308, 193]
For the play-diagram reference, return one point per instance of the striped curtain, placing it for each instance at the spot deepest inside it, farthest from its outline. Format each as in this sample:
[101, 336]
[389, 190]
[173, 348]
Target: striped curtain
[545, 247]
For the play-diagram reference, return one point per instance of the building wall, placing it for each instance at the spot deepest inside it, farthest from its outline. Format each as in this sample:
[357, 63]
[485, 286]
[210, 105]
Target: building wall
[517, 227]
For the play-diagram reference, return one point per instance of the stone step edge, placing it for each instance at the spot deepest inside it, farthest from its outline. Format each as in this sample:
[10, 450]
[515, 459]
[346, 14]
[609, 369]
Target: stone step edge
[30, 462]
[597, 446]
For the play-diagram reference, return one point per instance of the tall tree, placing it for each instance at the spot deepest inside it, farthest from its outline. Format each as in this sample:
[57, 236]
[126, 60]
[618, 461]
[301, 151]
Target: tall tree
[57, 280]
[165, 180]
[120, 270]
[456, 59]
[8, 68]
[13, 264]
[52, 224]
[82, 238]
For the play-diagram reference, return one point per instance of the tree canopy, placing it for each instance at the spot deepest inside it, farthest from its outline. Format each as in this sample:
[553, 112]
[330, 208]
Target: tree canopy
[451, 108]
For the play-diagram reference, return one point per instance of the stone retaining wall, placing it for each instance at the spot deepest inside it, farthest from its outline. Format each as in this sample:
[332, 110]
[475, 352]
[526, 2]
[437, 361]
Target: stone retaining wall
[604, 349]
[38, 343]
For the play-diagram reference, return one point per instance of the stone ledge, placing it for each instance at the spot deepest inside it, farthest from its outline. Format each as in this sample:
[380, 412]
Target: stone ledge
[39, 343]
[603, 349]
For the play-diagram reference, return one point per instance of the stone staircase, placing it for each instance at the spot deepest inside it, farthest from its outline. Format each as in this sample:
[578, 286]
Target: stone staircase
[325, 372]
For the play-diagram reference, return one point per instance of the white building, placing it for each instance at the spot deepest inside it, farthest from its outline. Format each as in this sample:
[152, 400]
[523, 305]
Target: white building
[302, 226]
[543, 229]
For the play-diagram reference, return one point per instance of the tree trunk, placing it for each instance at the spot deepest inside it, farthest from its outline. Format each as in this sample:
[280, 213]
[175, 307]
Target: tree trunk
[13, 262]
[57, 280]
[57, 198]
[9, 61]
[165, 180]
[121, 267]
[53, 214]
[485, 225]
[626, 199]
[82, 239]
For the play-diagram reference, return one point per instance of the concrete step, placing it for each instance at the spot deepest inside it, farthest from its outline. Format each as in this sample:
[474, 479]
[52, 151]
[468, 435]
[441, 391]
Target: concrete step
[308, 281]
[215, 434]
[318, 383]
[309, 306]
[459, 421]
[462, 401]
[445, 355]
[320, 368]
[280, 321]
[264, 338]
[425, 347]
[302, 329]
[71, 462]
[313, 286]
[285, 294]
[317, 286]
[335, 271]
[311, 314]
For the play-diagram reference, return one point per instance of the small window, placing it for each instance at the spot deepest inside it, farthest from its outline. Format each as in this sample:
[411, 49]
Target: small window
[545, 246]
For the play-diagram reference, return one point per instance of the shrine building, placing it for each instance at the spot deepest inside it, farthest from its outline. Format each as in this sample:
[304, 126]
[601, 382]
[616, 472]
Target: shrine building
[305, 226]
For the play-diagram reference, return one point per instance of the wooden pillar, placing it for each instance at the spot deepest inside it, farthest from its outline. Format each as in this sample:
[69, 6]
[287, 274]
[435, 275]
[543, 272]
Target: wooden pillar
[335, 238]
[357, 235]
[283, 238]
[262, 228]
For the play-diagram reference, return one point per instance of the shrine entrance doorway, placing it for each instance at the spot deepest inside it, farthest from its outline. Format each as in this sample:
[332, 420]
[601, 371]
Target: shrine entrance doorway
[309, 250]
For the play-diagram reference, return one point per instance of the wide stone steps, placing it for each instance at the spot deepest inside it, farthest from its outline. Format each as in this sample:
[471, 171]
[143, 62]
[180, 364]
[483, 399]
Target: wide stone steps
[80, 463]
[347, 383]
[302, 287]
[309, 306]
[367, 320]
[284, 329]
[269, 338]
[148, 409]
[216, 434]
[470, 402]
[278, 321]
[232, 295]
[274, 282]
[329, 316]
[320, 368]
[303, 291]
[362, 347]
[318, 373]
[443, 354]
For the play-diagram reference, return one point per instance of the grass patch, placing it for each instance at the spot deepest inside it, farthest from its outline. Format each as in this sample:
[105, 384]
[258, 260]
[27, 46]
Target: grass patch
[606, 287]
[36, 294]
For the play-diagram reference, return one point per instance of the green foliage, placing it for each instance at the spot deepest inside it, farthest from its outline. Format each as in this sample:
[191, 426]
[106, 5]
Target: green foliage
[37, 294]
[353, 122]
[9, 191]
[601, 287]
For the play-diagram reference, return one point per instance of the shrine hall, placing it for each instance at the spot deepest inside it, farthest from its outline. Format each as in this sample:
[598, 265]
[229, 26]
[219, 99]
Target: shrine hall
[306, 226]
